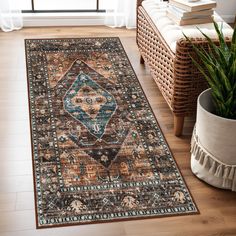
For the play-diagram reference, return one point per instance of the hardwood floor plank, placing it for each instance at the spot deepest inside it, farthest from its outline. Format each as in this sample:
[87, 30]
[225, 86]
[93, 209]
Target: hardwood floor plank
[180, 224]
[18, 183]
[15, 168]
[7, 202]
[15, 153]
[17, 220]
[114, 229]
[24, 201]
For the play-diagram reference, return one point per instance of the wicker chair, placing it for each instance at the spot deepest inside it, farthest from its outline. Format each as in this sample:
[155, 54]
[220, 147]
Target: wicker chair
[177, 78]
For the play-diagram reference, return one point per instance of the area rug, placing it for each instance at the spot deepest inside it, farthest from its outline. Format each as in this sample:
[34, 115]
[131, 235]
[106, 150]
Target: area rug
[98, 152]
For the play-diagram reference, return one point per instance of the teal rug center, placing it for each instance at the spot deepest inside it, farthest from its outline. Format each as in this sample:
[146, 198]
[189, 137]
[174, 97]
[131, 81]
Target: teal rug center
[87, 102]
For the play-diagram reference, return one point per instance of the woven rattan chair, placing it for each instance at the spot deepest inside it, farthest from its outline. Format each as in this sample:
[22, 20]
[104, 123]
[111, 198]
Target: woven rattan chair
[177, 78]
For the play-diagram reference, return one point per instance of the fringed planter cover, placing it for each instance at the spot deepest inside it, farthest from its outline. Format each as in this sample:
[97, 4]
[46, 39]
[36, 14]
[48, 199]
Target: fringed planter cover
[213, 146]
[225, 174]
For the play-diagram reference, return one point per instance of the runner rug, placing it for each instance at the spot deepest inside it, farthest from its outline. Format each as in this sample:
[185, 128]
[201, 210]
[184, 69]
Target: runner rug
[98, 152]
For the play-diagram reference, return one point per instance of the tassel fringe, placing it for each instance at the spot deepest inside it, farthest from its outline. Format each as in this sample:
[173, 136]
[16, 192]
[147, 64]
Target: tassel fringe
[214, 166]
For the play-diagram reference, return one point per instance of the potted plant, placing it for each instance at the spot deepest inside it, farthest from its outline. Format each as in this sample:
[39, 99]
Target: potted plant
[213, 146]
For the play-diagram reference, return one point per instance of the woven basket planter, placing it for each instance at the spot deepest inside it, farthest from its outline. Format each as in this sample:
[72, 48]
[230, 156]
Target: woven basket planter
[213, 151]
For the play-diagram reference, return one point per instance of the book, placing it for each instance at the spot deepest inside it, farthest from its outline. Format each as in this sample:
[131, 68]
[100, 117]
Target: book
[190, 21]
[193, 6]
[182, 14]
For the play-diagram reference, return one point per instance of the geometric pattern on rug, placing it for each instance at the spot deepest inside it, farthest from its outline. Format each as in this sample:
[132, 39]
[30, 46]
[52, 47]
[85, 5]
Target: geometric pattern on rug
[98, 152]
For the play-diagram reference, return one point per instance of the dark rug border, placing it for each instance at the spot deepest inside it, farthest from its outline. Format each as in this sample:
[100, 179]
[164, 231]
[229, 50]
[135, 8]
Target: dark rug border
[32, 153]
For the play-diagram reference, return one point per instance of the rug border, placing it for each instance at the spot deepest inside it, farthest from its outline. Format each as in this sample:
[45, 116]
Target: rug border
[31, 133]
[32, 152]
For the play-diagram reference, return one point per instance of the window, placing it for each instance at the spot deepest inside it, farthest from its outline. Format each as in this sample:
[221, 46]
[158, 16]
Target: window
[63, 5]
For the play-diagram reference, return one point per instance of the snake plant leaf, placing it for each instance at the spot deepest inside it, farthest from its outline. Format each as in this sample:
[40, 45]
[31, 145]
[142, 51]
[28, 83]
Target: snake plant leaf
[222, 56]
[200, 68]
[221, 37]
[224, 79]
[219, 106]
[232, 73]
[203, 56]
[230, 98]
[209, 54]
[232, 58]
[218, 67]
[233, 43]
[212, 79]
[213, 74]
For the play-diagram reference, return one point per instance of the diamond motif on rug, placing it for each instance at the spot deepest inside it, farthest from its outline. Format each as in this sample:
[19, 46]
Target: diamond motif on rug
[90, 104]
[84, 95]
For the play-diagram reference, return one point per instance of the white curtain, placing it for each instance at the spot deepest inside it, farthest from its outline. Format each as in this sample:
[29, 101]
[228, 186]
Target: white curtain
[10, 15]
[121, 13]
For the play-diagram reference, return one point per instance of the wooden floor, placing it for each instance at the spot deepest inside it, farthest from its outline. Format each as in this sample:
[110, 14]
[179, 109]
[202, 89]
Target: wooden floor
[217, 207]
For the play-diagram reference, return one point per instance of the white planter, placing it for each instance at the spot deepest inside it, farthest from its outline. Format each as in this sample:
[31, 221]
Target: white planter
[213, 152]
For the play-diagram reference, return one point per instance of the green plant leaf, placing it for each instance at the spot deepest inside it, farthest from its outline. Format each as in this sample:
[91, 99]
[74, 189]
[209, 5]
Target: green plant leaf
[220, 36]
[224, 79]
[229, 100]
[232, 73]
[221, 54]
[218, 66]
[200, 68]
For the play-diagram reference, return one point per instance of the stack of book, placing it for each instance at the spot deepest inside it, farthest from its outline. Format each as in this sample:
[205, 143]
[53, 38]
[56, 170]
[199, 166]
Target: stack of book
[189, 12]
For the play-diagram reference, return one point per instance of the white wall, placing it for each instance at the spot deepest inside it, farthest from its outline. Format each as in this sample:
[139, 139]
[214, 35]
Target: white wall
[226, 9]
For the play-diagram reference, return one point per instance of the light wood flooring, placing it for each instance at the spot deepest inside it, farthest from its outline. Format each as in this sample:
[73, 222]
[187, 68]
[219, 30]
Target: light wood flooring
[217, 207]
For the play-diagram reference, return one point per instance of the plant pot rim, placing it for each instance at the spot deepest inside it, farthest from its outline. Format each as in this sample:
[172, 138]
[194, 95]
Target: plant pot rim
[210, 113]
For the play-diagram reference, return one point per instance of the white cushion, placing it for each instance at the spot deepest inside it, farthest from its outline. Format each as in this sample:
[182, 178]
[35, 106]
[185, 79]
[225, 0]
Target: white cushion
[172, 32]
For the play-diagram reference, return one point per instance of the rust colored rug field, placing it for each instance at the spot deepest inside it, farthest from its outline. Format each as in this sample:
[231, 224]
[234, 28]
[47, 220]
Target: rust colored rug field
[98, 152]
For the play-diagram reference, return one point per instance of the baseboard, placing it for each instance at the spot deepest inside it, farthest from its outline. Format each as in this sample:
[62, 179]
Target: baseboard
[62, 19]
